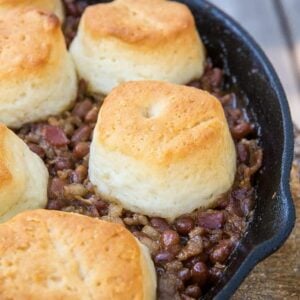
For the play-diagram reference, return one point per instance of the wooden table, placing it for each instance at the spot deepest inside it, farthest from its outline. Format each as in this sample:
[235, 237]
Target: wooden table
[275, 24]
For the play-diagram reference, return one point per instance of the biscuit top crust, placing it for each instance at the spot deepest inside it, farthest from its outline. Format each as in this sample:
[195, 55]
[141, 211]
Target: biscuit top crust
[146, 22]
[27, 42]
[46, 4]
[159, 122]
[58, 255]
[27, 2]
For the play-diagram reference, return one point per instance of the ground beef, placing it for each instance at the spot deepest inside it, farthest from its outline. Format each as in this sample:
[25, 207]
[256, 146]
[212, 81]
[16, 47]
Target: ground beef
[191, 253]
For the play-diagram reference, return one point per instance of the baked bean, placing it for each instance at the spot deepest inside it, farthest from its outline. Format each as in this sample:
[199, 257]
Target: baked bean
[82, 108]
[175, 249]
[82, 134]
[75, 121]
[81, 149]
[79, 175]
[62, 163]
[203, 256]
[185, 297]
[193, 291]
[199, 273]
[221, 252]
[170, 238]
[211, 220]
[163, 257]
[68, 129]
[214, 274]
[159, 224]
[241, 130]
[184, 274]
[92, 115]
[184, 225]
[56, 188]
[101, 206]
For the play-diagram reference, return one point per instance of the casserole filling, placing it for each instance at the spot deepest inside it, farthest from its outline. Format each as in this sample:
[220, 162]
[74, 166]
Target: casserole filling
[191, 253]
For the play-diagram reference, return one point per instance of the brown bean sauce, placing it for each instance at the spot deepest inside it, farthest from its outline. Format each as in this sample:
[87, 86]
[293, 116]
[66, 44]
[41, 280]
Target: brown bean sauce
[189, 254]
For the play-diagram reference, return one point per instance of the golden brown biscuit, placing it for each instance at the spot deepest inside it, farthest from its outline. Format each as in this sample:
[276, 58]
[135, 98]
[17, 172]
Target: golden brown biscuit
[162, 149]
[23, 177]
[57, 255]
[54, 6]
[37, 75]
[137, 40]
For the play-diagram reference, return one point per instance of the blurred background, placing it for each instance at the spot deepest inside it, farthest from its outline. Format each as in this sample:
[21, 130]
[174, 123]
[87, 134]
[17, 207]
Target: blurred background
[275, 25]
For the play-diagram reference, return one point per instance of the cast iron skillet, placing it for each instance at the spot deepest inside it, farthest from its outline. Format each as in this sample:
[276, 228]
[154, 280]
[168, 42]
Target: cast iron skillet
[249, 69]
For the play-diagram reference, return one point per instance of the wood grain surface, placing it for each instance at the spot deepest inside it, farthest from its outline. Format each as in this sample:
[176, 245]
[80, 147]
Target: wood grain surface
[278, 277]
[292, 9]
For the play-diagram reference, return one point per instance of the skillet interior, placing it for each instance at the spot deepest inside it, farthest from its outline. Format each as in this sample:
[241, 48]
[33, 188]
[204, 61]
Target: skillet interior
[247, 68]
